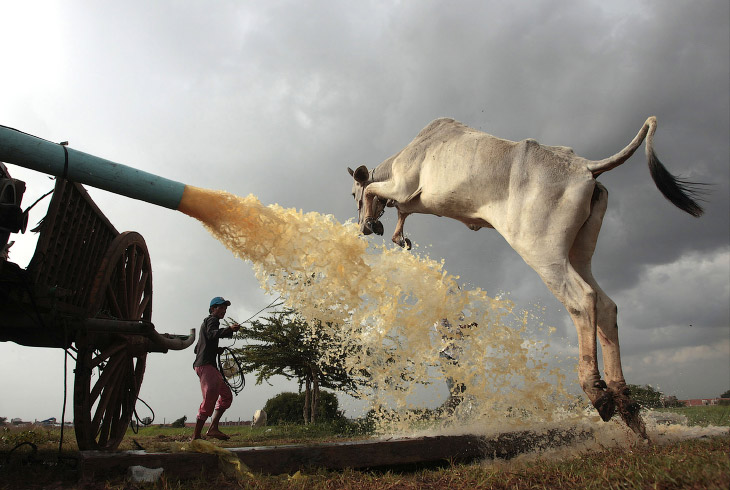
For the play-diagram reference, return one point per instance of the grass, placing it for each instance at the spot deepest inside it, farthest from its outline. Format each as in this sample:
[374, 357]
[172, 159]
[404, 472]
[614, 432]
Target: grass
[698, 463]
[160, 439]
[718, 415]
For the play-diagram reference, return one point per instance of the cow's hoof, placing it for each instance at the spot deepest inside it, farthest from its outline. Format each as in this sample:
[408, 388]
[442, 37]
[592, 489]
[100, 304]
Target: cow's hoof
[631, 415]
[377, 228]
[403, 242]
[605, 406]
[633, 408]
[368, 226]
[630, 412]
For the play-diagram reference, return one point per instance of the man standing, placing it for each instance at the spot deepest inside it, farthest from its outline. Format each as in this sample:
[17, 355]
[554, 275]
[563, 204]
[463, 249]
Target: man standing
[452, 337]
[217, 396]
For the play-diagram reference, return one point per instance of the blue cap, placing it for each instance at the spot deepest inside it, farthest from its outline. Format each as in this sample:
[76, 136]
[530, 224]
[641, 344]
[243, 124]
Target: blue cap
[219, 301]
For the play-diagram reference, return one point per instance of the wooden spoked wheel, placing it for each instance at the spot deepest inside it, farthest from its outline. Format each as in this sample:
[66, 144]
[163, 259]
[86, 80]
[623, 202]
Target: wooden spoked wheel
[110, 366]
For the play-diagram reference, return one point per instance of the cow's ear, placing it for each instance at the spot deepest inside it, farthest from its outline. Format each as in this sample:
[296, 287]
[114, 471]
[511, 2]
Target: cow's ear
[352, 172]
[361, 174]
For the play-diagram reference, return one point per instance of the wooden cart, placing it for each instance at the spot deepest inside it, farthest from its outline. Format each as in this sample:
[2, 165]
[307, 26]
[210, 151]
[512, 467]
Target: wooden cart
[88, 288]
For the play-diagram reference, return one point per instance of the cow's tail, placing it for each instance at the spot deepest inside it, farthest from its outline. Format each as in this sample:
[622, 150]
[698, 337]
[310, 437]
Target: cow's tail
[680, 192]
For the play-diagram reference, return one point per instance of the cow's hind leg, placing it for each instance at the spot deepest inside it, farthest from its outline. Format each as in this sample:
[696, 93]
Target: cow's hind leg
[546, 249]
[579, 298]
[606, 313]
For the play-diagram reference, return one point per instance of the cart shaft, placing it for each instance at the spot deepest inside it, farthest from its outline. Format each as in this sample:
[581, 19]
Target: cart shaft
[44, 156]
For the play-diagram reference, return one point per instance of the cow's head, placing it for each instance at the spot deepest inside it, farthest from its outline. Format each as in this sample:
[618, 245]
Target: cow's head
[368, 224]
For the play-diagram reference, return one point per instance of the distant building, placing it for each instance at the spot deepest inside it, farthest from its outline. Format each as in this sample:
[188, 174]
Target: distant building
[699, 402]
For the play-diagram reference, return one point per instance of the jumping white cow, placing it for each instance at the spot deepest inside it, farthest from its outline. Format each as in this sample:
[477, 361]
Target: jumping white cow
[545, 201]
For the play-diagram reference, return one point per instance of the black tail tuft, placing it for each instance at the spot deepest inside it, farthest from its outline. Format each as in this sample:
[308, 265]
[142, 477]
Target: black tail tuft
[682, 193]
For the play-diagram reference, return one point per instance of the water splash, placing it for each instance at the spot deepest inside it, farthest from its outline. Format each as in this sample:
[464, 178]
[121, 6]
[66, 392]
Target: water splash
[390, 303]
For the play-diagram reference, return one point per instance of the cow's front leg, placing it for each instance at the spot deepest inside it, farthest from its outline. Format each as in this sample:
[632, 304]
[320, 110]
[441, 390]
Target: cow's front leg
[369, 224]
[398, 237]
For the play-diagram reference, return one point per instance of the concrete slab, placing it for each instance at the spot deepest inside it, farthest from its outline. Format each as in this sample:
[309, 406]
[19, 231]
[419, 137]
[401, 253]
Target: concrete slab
[371, 453]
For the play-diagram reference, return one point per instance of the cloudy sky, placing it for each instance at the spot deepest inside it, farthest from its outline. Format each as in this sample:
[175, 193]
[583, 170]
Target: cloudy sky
[277, 98]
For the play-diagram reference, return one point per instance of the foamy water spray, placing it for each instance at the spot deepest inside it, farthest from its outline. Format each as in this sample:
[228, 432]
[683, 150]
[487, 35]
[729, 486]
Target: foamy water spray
[388, 301]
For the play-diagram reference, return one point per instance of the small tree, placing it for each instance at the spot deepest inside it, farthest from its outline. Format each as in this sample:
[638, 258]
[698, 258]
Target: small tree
[179, 422]
[3, 421]
[285, 344]
[726, 394]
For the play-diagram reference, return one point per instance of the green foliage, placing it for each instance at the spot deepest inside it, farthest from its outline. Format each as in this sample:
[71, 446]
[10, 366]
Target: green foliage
[179, 422]
[282, 408]
[726, 394]
[10, 438]
[283, 344]
[358, 427]
[288, 407]
[646, 396]
[3, 421]
[329, 406]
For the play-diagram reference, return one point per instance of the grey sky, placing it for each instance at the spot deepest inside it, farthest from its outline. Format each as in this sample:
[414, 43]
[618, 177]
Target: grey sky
[278, 98]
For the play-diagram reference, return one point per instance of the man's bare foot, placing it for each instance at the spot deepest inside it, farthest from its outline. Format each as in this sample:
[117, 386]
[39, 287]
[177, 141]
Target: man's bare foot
[195, 437]
[217, 435]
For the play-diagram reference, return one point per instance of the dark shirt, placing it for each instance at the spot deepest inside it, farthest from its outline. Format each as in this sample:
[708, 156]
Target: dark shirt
[206, 349]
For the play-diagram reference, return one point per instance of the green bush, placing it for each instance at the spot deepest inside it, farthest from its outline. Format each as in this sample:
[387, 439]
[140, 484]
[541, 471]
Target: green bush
[329, 407]
[646, 396]
[289, 407]
[35, 435]
[358, 427]
[284, 407]
[179, 422]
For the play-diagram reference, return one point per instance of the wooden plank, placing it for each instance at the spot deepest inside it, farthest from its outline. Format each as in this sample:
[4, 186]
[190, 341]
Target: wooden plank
[335, 455]
[360, 454]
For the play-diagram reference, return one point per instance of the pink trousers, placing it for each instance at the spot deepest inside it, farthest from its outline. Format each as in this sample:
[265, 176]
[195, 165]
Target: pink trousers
[216, 393]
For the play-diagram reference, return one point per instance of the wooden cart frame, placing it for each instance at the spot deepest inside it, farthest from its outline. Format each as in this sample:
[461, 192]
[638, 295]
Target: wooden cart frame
[88, 288]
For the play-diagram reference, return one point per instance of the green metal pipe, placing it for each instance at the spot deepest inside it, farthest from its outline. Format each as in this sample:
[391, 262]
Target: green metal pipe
[44, 156]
